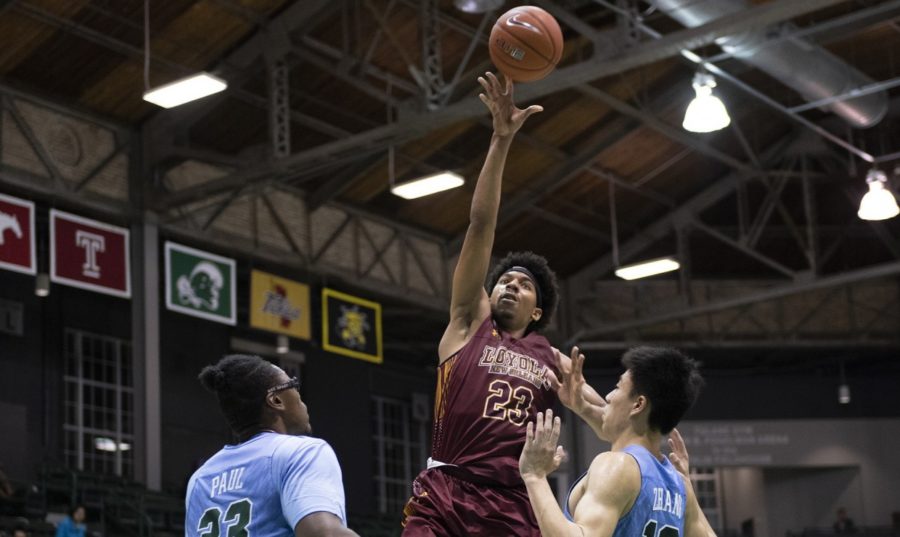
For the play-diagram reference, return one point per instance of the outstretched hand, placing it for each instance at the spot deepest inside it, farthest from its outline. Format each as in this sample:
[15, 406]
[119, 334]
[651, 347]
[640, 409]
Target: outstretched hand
[574, 392]
[679, 455]
[498, 97]
[541, 454]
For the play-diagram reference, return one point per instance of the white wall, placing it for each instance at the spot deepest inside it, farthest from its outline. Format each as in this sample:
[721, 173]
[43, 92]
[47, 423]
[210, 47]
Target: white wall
[743, 498]
[806, 497]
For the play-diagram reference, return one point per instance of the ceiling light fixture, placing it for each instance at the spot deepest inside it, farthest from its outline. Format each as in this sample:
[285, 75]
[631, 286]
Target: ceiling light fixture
[181, 91]
[843, 394]
[425, 186]
[42, 284]
[282, 344]
[878, 203]
[477, 6]
[843, 389]
[706, 113]
[185, 90]
[645, 269]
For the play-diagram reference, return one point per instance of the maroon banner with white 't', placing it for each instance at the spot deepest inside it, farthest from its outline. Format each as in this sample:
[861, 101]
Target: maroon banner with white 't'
[89, 254]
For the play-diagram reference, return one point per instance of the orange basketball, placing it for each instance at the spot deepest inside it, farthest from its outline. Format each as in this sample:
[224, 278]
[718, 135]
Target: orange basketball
[526, 43]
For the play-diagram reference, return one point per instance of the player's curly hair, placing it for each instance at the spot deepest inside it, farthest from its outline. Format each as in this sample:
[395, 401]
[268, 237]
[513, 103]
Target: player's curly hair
[668, 378]
[240, 382]
[546, 281]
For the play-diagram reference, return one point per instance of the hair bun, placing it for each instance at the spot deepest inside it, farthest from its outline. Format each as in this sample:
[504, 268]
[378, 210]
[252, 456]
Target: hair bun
[213, 378]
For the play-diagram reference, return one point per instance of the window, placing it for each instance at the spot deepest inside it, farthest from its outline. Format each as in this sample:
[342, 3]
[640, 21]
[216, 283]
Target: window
[399, 452]
[706, 486]
[98, 422]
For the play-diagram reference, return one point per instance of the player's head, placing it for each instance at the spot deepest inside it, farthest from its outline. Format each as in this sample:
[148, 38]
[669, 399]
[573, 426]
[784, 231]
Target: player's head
[255, 394]
[658, 387]
[523, 291]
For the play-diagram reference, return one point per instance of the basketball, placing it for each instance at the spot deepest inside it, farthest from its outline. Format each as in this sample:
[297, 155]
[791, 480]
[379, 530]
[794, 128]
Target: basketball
[526, 43]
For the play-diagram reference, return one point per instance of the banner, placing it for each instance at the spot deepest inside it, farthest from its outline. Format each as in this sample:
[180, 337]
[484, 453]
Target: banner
[279, 305]
[17, 235]
[351, 326]
[199, 283]
[89, 254]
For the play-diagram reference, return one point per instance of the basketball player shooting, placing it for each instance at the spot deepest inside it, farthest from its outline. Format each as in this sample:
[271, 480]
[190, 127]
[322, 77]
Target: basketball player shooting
[495, 370]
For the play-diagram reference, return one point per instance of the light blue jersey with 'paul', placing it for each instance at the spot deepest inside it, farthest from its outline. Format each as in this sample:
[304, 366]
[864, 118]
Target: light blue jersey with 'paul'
[264, 487]
[658, 510]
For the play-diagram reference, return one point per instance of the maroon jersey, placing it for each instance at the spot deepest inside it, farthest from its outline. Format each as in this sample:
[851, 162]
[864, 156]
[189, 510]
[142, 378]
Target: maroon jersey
[486, 394]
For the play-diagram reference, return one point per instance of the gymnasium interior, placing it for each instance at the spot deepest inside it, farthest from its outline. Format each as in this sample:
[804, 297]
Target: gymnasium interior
[139, 243]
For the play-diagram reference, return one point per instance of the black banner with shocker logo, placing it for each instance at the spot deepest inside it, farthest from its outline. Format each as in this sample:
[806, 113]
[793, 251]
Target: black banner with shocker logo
[351, 326]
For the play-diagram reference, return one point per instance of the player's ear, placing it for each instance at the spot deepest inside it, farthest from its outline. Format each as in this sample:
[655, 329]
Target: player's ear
[641, 403]
[536, 314]
[275, 401]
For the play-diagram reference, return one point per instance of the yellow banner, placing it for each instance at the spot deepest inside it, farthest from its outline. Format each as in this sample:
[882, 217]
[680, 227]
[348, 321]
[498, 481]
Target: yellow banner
[279, 305]
[351, 326]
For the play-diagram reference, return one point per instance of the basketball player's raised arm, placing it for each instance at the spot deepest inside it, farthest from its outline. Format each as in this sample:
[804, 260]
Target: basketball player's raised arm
[613, 482]
[469, 303]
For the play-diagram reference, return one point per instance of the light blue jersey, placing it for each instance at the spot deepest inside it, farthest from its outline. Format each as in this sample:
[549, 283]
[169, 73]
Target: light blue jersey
[658, 510]
[264, 487]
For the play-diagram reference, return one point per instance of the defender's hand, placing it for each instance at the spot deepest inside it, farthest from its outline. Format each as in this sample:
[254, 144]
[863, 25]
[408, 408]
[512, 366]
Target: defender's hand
[541, 454]
[679, 456]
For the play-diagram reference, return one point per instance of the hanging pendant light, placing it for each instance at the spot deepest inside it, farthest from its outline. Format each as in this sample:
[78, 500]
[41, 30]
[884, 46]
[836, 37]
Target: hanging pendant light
[878, 203]
[706, 113]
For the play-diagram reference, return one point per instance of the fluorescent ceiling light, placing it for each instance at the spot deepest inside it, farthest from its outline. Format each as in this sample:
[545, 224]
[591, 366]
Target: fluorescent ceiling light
[878, 203]
[647, 268]
[185, 90]
[425, 186]
[477, 6]
[706, 113]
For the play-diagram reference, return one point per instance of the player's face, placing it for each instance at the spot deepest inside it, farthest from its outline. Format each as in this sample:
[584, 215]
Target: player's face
[296, 415]
[514, 300]
[617, 412]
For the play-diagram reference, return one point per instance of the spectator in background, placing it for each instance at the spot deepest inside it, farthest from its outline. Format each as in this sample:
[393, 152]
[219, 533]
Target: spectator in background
[843, 524]
[20, 529]
[73, 525]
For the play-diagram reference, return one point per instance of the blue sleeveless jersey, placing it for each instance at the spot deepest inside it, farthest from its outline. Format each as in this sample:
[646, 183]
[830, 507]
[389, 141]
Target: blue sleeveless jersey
[264, 487]
[658, 510]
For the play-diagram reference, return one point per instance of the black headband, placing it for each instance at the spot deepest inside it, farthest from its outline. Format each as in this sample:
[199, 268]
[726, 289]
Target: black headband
[525, 271]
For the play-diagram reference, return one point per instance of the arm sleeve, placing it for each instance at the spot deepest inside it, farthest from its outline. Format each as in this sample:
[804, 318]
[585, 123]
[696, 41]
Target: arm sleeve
[310, 480]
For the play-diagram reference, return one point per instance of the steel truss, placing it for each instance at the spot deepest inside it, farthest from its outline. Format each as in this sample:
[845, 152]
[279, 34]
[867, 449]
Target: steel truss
[365, 250]
[854, 308]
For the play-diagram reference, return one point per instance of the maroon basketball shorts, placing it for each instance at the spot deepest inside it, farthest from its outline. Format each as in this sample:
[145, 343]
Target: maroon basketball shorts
[443, 505]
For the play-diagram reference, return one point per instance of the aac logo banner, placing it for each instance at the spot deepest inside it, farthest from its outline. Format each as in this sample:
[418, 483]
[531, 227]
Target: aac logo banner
[279, 305]
[200, 284]
[89, 254]
[17, 234]
[351, 326]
